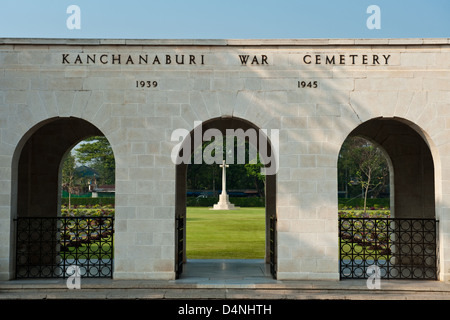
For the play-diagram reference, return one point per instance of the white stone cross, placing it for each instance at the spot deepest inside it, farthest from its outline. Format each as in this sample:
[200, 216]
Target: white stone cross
[224, 203]
[224, 176]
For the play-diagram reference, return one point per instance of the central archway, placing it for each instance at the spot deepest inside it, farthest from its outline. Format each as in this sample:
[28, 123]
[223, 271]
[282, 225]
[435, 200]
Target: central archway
[265, 150]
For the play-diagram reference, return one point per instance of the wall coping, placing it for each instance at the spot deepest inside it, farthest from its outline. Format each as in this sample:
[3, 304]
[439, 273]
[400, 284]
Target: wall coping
[227, 42]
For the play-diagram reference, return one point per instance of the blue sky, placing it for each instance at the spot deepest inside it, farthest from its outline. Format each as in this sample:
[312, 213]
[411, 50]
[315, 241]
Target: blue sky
[224, 19]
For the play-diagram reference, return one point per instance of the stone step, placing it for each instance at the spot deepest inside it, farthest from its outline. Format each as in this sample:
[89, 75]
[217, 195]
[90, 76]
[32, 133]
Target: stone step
[139, 289]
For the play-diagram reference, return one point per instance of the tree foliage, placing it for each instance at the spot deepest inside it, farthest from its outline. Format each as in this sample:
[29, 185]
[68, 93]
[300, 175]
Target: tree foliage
[362, 168]
[69, 175]
[96, 153]
[96, 158]
[239, 176]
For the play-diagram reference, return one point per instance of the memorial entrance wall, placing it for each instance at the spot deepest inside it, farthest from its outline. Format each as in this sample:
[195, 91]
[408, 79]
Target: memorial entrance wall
[312, 93]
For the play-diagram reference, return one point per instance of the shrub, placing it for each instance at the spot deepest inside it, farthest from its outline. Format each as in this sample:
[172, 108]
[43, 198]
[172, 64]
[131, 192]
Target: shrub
[359, 203]
[88, 201]
[87, 212]
[360, 214]
[237, 201]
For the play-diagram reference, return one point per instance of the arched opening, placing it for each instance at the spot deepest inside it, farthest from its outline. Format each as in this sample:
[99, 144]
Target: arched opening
[365, 179]
[45, 241]
[193, 140]
[88, 175]
[404, 244]
[412, 163]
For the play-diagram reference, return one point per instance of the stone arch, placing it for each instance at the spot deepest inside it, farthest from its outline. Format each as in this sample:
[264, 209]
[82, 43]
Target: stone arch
[36, 167]
[412, 163]
[190, 143]
[413, 236]
[37, 162]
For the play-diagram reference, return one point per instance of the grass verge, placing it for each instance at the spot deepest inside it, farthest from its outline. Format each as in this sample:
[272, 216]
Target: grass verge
[225, 234]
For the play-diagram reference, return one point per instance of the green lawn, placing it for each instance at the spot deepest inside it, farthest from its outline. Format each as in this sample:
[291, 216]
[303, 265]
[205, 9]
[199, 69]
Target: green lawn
[222, 234]
[234, 234]
[225, 234]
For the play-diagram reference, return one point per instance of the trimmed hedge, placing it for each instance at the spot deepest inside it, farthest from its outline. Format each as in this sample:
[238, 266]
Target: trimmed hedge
[237, 201]
[88, 201]
[359, 203]
[248, 202]
[190, 201]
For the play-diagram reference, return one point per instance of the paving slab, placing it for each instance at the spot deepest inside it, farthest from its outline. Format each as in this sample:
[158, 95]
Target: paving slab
[223, 280]
[119, 289]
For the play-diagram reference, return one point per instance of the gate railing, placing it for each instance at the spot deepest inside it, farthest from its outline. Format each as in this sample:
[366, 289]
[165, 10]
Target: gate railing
[179, 245]
[400, 248]
[50, 247]
[273, 245]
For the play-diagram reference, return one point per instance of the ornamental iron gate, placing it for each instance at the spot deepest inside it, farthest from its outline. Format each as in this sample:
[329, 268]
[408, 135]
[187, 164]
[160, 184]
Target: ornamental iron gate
[179, 246]
[273, 246]
[51, 247]
[400, 248]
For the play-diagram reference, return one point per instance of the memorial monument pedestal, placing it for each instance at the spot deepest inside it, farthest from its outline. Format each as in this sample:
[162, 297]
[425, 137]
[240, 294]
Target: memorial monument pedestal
[224, 203]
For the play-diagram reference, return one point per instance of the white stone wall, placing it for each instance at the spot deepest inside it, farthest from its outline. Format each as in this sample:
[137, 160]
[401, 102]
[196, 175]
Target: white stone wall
[36, 86]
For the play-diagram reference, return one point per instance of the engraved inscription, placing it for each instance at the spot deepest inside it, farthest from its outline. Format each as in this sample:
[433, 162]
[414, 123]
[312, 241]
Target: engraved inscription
[146, 84]
[308, 84]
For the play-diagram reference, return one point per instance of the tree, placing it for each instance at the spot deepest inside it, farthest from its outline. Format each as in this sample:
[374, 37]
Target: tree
[239, 176]
[69, 175]
[254, 172]
[362, 163]
[96, 152]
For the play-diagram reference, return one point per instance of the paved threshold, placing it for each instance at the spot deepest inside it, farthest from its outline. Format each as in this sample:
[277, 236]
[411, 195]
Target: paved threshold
[134, 289]
[126, 289]
[230, 280]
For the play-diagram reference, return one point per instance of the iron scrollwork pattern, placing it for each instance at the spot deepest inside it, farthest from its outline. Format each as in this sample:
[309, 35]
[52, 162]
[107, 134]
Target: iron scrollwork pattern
[179, 245]
[273, 245]
[47, 247]
[400, 248]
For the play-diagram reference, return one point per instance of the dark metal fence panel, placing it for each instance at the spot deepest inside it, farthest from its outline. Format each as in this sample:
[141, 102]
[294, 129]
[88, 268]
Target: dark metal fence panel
[400, 248]
[179, 245]
[273, 246]
[50, 247]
